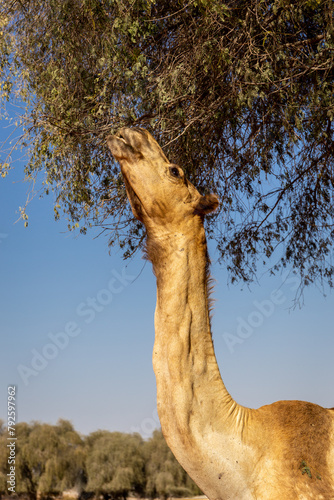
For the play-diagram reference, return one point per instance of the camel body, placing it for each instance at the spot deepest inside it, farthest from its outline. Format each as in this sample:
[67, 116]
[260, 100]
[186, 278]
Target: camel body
[283, 451]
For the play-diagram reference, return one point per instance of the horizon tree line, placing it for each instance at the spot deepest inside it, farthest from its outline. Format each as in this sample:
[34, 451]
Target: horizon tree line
[52, 459]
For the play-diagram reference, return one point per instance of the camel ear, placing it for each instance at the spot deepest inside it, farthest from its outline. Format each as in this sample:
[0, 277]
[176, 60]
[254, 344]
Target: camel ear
[206, 204]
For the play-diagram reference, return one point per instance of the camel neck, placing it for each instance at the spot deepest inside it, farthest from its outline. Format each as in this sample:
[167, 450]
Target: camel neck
[192, 398]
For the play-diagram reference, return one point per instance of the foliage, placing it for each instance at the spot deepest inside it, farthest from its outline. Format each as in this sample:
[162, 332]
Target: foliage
[3, 457]
[53, 458]
[165, 477]
[115, 464]
[50, 459]
[240, 94]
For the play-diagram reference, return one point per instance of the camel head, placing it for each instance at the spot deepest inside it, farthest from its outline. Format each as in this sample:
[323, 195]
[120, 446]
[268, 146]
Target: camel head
[158, 191]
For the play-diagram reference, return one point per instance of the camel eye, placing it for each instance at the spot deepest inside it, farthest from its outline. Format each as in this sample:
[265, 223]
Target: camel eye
[174, 171]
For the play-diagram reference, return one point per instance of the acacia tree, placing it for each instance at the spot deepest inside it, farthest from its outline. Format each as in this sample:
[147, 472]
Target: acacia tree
[240, 94]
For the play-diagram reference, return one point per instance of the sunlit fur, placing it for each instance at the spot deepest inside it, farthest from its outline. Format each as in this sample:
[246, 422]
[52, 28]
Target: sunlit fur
[282, 451]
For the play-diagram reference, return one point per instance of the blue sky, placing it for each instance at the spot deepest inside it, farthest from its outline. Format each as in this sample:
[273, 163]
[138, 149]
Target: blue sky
[77, 327]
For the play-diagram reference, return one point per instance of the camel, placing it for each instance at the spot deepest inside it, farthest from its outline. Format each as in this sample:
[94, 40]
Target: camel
[282, 451]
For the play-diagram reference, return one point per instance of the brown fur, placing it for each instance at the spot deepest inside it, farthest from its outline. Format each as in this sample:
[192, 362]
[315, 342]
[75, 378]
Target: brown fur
[283, 451]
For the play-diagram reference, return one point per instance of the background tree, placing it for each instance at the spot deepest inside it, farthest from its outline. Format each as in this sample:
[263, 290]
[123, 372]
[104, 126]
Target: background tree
[28, 467]
[164, 475]
[50, 459]
[53, 458]
[115, 464]
[3, 458]
[240, 94]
